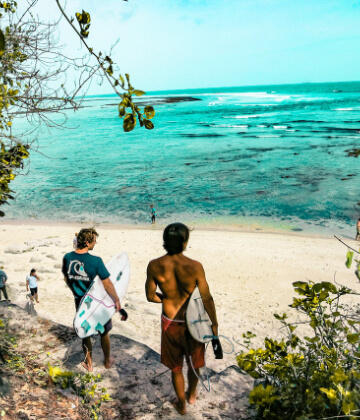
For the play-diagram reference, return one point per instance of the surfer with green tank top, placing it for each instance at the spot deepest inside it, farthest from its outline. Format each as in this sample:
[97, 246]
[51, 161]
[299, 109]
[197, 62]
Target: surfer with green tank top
[176, 276]
[80, 269]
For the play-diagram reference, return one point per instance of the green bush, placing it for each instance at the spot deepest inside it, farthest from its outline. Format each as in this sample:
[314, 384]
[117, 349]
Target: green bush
[84, 385]
[309, 377]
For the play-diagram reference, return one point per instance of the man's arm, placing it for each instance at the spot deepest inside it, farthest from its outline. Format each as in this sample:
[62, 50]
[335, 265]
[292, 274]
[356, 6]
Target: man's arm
[109, 287]
[207, 298]
[27, 284]
[150, 287]
[63, 270]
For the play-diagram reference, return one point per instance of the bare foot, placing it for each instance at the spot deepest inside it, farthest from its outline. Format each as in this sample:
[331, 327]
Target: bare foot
[37, 301]
[87, 366]
[191, 399]
[180, 408]
[109, 363]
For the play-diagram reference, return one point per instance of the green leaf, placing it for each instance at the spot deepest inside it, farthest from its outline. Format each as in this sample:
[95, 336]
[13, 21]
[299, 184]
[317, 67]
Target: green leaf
[349, 257]
[353, 338]
[300, 284]
[149, 112]
[249, 366]
[121, 111]
[348, 407]
[148, 124]
[129, 122]
[138, 92]
[85, 17]
[339, 376]
[329, 287]
[331, 393]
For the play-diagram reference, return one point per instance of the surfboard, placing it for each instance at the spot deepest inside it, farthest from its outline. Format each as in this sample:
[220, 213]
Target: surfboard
[197, 319]
[97, 307]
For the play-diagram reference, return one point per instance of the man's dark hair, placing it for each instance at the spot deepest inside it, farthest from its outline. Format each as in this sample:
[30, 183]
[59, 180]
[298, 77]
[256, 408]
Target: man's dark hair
[175, 237]
[32, 271]
[86, 236]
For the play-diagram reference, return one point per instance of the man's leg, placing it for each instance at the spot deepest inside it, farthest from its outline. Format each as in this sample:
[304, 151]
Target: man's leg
[36, 298]
[193, 381]
[105, 345]
[0, 292]
[179, 386]
[87, 349]
[5, 292]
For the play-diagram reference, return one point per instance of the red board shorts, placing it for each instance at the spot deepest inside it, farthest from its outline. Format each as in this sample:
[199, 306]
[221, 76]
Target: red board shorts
[176, 342]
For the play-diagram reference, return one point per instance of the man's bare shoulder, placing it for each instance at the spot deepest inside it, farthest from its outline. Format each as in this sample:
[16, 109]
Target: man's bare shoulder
[167, 260]
[195, 264]
[155, 264]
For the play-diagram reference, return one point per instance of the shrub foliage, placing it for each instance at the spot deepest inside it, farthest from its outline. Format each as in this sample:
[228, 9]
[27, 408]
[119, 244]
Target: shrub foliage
[309, 376]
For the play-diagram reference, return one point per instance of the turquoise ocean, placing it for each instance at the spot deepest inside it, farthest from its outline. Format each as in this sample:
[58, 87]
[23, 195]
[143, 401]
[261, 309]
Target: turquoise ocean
[270, 155]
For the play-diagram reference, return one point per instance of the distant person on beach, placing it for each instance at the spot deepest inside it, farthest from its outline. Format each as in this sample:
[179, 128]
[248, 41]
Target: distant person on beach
[153, 214]
[75, 241]
[176, 276]
[80, 269]
[3, 280]
[358, 230]
[31, 282]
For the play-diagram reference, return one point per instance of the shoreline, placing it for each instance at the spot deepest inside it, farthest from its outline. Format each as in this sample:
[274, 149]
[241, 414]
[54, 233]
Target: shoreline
[248, 225]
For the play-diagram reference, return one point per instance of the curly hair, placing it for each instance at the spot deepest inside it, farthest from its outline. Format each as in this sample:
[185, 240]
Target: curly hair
[86, 236]
[175, 237]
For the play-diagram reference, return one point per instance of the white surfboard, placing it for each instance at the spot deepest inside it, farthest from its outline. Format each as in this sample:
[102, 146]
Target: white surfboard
[97, 307]
[197, 319]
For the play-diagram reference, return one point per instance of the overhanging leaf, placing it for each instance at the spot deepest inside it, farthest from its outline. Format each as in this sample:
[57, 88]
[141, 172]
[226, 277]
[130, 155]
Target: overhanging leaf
[349, 257]
[149, 112]
[138, 92]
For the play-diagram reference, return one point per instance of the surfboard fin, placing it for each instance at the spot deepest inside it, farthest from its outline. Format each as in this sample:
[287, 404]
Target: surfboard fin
[85, 326]
[119, 276]
[88, 301]
[100, 328]
[82, 313]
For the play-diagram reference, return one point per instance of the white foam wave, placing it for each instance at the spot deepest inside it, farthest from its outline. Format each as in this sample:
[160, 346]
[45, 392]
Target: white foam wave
[243, 117]
[268, 136]
[347, 109]
[228, 126]
[280, 127]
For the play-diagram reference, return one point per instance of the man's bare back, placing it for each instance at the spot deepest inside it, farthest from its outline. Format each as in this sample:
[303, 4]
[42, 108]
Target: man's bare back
[176, 276]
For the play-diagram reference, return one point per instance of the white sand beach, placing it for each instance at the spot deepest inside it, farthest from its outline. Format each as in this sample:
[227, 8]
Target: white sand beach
[250, 274]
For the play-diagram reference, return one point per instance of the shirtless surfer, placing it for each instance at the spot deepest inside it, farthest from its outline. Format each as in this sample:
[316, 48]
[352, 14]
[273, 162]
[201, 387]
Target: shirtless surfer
[80, 269]
[176, 276]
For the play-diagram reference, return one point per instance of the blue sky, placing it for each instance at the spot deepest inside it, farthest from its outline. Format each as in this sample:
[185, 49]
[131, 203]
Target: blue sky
[178, 44]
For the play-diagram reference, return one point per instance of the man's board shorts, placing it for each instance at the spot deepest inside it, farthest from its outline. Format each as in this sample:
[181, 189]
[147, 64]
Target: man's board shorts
[107, 326]
[176, 342]
[33, 291]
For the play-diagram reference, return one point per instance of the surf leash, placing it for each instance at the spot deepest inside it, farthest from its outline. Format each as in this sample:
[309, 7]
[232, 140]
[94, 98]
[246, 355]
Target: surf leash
[218, 352]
